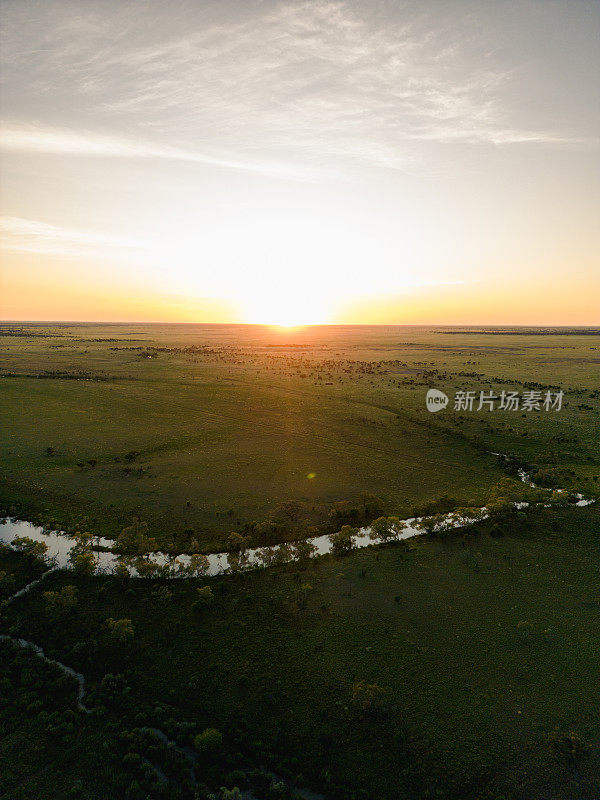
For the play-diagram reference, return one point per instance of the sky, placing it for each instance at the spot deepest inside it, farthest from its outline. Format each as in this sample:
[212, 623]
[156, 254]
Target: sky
[428, 162]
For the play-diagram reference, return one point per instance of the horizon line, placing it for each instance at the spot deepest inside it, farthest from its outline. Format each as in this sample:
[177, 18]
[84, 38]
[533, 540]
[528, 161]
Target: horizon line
[296, 327]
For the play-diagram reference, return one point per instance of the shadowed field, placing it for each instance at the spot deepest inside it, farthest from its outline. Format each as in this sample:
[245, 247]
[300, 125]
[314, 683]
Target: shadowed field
[480, 651]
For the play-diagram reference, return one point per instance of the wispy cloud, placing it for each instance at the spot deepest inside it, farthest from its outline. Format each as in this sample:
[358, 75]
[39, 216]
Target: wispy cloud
[285, 89]
[87, 143]
[32, 236]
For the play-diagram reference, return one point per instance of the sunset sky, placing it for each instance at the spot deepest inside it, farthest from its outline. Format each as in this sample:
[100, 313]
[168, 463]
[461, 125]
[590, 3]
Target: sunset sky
[289, 162]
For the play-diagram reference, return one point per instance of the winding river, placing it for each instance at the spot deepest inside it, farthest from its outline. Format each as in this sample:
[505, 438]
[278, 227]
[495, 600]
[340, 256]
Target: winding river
[60, 544]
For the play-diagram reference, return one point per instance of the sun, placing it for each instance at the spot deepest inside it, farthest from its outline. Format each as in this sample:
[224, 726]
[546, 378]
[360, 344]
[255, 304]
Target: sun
[285, 311]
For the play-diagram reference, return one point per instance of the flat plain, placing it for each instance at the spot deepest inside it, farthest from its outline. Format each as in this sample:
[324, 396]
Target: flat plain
[200, 430]
[459, 666]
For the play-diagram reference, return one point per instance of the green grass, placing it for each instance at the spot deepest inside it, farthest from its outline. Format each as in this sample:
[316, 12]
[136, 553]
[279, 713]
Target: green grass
[483, 647]
[228, 433]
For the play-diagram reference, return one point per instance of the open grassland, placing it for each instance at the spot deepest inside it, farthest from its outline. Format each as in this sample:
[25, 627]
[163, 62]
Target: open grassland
[483, 651]
[460, 666]
[199, 430]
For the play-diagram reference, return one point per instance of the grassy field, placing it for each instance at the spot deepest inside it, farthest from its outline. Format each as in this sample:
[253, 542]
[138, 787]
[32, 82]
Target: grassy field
[200, 430]
[457, 667]
[484, 650]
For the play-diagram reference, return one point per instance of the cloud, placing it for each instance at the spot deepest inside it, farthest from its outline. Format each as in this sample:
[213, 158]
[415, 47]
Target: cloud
[284, 89]
[87, 143]
[32, 236]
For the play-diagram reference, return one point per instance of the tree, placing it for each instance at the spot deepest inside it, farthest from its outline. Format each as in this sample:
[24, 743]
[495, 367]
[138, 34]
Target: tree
[343, 542]
[371, 505]
[204, 598]
[81, 556]
[60, 603]
[7, 581]
[28, 546]
[208, 741]
[559, 498]
[386, 528]
[236, 562]
[303, 550]
[198, 566]
[135, 539]
[230, 794]
[499, 509]
[83, 563]
[120, 629]
[236, 542]
[281, 554]
[266, 532]
[145, 567]
[122, 570]
[430, 525]
[305, 590]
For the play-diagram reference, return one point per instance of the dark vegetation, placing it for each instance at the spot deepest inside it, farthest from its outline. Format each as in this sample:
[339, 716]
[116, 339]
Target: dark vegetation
[329, 675]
